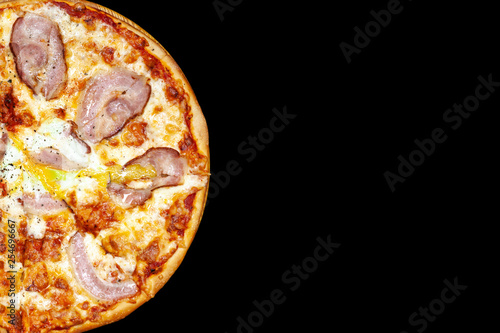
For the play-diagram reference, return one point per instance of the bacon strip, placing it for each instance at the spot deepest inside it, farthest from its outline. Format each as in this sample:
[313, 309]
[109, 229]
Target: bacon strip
[42, 204]
[72, 131]
[52, 157]
[170, 169]
[110, 101]
[128, 197]
[39, 53]
[88, 278]
[169, 165]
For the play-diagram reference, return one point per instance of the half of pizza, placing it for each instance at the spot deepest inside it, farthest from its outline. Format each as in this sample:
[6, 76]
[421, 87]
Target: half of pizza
[104, 166]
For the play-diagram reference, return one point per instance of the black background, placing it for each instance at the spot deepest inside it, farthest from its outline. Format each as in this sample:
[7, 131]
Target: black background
[324, 174]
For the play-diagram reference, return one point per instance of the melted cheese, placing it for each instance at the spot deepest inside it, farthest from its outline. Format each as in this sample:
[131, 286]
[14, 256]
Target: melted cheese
[36, 227]
[37, 300]
[104, 263]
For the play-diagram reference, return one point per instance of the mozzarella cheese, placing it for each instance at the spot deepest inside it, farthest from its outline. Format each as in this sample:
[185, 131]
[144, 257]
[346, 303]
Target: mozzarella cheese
[105, 264]
[36, 227]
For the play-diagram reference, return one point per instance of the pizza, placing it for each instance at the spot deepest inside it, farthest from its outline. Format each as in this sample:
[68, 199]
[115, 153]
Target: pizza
[104, 166]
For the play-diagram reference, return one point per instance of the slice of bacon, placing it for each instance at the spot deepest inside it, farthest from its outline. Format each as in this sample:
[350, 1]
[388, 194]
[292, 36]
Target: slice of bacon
[72, 131]
[109, 102]
[39, 53]
[128, 197]
[88, 278]
[170, 168]
[53, 158]
[42, 204]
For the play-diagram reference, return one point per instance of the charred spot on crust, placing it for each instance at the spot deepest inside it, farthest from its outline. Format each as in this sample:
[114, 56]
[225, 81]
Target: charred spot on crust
[79, 7]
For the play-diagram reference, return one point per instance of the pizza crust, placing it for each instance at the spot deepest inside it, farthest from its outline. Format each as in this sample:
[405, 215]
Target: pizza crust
[199, 132]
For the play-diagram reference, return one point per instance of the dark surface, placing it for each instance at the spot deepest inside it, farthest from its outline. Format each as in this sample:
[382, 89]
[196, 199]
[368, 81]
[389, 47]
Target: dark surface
[323, 174]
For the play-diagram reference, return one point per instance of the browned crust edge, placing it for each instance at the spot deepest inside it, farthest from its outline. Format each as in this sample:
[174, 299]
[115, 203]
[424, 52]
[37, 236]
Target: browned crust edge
[199, 131]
